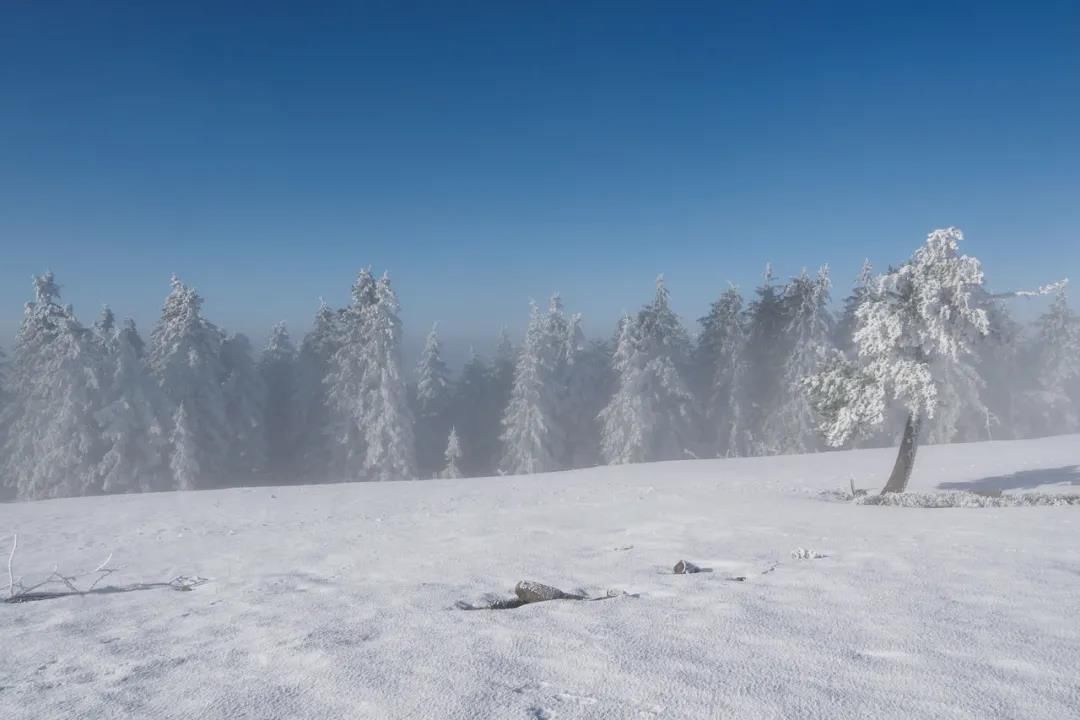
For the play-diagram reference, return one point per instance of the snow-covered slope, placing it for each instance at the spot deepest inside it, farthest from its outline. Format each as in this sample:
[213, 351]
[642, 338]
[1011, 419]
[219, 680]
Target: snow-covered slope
[338, 601]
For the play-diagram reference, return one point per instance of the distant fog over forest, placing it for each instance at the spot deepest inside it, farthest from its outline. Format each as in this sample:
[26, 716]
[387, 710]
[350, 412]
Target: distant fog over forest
[794, 365]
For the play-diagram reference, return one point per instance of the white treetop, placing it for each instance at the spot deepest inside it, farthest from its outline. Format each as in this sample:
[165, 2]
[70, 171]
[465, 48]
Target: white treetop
[919, 314]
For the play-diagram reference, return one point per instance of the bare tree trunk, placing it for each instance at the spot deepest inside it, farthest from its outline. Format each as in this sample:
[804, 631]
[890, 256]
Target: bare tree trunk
[905, 459]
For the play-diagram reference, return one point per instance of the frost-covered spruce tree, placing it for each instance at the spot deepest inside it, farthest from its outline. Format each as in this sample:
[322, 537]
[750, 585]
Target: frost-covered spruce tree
[451, 457]
[245, 409]
[134, 418]
[719, 347]
[105, 331]
[278, 373]
[844, 335]
[1058, 364]
[916, 316]
[53, 446]
[650, 416]
[626, 416]
[592, 383]
[6, 489]
[477, 417]
[432, 406]
[759, 376]
[792, 427]
[185, 358]
[527, 423]
[563, 343]
[502, 369]
[186, 452]
[320, 454]
[389, 443]
[348, 376]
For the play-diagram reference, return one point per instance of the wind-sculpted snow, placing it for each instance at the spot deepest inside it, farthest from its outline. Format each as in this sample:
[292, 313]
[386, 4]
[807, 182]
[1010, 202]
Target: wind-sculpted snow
[967, 500]
[339, 601]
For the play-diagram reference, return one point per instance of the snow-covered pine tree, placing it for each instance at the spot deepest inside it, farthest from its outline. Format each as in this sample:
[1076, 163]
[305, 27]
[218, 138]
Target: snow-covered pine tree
[759, 375]
[844, 335]
[625, 418]
[432, 406]
[134, 420]
[186, 452]
[278, 372]
[719, 346]
[1058, 366]
[476, 417]
[792, 427]
[105, 329]
[502, 385]
[592, 383]
[347, 377]
[1005, 376]
[319, 452]
[185, 358]
[53, 445]
[390, 446]
[245, 410]
[7, 489]
[563, 342]
[452, 456]
[527, 423]
[650, 416]
[925, 311]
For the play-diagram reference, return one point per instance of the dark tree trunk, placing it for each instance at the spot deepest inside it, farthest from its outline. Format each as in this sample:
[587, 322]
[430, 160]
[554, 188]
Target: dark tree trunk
[905, 459]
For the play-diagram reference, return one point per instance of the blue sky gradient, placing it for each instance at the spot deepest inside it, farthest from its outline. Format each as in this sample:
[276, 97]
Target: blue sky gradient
[486, 153]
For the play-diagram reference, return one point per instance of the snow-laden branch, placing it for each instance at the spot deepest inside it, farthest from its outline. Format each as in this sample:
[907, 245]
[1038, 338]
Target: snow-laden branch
[1038, 292]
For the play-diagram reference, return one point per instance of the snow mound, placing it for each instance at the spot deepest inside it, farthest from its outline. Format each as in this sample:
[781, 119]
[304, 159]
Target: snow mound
[967, 500]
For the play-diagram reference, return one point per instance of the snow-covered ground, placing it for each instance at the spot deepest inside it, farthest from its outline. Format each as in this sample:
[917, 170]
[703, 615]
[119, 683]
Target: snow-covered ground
[338, 601]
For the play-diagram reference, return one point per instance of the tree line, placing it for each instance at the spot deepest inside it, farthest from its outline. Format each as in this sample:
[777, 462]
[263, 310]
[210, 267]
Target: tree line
[922, 349]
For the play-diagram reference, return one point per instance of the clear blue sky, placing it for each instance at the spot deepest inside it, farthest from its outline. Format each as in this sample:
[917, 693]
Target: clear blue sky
[486, 153]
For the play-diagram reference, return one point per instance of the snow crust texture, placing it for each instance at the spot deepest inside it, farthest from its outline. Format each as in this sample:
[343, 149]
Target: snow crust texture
[338, 601]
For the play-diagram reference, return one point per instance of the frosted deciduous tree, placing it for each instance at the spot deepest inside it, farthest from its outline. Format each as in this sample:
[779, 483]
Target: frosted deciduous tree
[134, 418]
[186, 358]
[278, 374]
[916, 316]
[433, 396]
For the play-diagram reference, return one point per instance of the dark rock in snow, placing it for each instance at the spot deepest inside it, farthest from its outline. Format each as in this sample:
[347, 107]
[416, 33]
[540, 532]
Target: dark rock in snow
[684, 567]
[530, 591]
